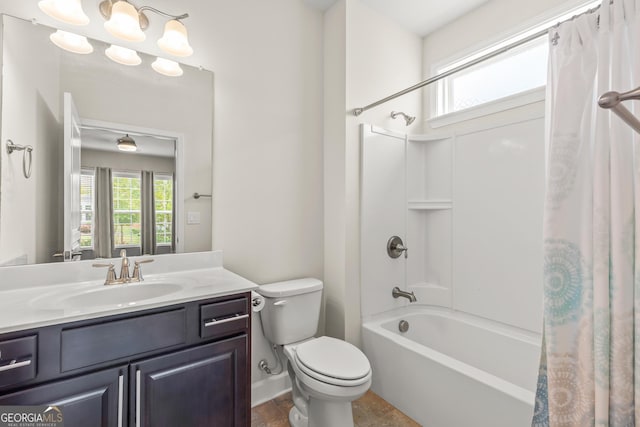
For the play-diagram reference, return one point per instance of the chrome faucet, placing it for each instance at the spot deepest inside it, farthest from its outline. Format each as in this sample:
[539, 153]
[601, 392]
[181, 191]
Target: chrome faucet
[397, 293]
[112, 279]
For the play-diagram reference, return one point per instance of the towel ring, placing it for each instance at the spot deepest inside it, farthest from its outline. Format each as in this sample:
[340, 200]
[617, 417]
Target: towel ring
[11, 147]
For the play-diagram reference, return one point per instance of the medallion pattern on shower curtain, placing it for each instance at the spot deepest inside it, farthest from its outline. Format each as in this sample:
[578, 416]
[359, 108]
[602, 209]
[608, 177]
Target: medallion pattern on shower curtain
[589, 369]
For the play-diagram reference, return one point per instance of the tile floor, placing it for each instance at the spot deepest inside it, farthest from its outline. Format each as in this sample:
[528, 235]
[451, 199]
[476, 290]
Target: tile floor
[369, 411]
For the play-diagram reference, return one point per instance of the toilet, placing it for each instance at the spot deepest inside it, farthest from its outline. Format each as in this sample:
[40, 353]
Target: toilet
[326, 373]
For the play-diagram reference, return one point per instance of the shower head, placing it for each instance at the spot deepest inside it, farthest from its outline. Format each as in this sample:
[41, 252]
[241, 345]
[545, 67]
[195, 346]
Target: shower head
[408, 119]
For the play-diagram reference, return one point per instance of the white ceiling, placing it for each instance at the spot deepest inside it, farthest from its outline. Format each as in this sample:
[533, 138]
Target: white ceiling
[418, 16]
[106, 140]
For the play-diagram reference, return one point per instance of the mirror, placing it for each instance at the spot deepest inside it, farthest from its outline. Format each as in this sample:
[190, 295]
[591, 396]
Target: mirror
[169, 118]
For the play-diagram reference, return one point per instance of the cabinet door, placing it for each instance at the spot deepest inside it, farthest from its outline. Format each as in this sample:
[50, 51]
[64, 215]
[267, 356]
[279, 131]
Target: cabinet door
[201, 386]
[89, 400]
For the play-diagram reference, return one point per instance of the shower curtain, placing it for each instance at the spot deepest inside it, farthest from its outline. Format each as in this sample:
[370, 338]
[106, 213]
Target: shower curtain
[589, 371]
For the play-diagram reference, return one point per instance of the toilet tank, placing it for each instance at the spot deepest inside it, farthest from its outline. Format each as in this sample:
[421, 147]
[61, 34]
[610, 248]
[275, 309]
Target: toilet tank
[292, 310]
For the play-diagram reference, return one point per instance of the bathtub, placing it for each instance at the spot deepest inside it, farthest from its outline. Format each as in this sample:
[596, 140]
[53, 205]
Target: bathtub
[452, 369]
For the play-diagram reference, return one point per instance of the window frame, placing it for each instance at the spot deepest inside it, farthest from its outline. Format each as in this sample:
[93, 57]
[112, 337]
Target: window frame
[125, 174]
[439, 94]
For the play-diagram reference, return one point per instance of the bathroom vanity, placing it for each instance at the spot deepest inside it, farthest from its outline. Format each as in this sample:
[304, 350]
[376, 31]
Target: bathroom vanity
[181, 359]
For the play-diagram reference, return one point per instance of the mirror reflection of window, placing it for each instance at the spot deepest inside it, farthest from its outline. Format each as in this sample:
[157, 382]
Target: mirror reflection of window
[127, 204]
[87, 207]
[126, 209]
[163, 197]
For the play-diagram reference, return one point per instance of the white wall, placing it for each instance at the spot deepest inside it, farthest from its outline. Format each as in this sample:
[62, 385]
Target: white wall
[29, 223]
[379, 58]
[126, 161]
[497, 233]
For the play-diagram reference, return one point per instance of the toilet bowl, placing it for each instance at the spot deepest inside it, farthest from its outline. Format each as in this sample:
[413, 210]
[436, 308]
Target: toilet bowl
[326, 373]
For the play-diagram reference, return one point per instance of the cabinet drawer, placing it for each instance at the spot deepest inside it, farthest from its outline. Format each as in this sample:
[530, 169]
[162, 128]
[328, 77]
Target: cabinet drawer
[17, 360]
[90, 345]
[224, 318]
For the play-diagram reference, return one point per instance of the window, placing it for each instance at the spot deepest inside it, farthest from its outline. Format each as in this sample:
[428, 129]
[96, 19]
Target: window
[518, 70]
[163, 196]
[87, 207]
[126, 209]
[494, 79]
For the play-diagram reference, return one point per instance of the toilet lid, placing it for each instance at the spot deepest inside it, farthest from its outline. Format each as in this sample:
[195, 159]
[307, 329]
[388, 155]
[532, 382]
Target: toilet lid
[333, 358]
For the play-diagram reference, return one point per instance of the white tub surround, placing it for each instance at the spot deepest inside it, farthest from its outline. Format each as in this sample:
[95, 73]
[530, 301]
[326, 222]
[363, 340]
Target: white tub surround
[45, 294]
[453, 369]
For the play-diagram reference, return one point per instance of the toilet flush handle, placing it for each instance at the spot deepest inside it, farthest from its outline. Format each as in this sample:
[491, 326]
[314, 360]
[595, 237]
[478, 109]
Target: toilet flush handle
[280, 303]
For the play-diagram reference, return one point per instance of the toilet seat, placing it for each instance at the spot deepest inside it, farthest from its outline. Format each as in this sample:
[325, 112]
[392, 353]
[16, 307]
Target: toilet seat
[333, 362]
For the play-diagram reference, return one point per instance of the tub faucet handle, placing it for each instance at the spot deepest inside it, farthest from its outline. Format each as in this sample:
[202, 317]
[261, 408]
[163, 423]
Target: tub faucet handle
[395, 247]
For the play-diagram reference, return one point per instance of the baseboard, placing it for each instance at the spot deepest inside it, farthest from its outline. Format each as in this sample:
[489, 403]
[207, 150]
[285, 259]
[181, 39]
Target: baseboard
[268, 388]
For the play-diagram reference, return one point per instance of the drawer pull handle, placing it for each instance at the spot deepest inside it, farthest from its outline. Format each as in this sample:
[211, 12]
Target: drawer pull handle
[214, 322]
[14, 364]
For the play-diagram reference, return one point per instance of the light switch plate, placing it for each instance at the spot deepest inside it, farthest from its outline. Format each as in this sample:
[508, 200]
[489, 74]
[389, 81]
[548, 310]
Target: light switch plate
[193, 218]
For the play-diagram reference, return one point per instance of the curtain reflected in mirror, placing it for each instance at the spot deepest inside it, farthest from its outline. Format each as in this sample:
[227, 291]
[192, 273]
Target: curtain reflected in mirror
[103, 226]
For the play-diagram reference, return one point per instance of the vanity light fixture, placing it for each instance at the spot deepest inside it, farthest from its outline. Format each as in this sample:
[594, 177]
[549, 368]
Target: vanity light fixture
[68, 11]
[174, 40]
[123, 55]
[124, 22]
[126, 143]
[167, 67]
[71, 42]
[128, 22]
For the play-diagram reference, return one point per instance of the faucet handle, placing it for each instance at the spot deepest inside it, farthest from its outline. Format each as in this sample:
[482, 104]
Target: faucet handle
[111, 273]
[123, 253]
[395, 247]
[137, 271]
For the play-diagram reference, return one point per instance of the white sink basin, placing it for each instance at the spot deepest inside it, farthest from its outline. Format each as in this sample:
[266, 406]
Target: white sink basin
[113, 295]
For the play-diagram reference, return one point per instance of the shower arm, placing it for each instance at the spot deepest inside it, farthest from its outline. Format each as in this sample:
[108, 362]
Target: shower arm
[613, 101]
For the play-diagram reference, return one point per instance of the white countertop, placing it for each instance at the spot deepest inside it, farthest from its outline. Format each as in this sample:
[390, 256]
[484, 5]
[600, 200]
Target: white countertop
[36, 306]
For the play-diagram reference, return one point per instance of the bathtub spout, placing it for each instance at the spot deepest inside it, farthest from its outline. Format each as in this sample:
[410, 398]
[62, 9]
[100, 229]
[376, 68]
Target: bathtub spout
[397, 292]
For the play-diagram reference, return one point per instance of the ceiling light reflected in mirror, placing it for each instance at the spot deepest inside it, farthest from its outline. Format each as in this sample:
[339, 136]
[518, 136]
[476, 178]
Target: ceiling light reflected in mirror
[123, 55]
[167, 67]
[71, 42]
[126, 143]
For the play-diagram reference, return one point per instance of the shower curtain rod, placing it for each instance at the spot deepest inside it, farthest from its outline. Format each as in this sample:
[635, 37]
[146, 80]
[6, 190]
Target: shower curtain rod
[360, 110]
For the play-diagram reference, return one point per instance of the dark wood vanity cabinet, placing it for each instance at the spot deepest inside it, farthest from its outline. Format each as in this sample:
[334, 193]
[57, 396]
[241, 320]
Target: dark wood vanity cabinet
[88, 400]
[182, 365]
[194, 387]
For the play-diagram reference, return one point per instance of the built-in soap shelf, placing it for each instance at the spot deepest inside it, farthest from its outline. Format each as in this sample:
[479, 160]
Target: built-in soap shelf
[430, 137]
[429, 205]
